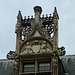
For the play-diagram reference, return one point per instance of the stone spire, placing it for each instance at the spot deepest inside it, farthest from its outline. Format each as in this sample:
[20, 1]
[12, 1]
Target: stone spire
[19, 17]
[55, 14]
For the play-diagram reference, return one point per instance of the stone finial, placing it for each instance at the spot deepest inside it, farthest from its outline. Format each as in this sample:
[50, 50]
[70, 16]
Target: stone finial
[46, 15]
[43, 15]
[37, 9]
[55, 10]
[55, 14]
[25, 17]
[28, 17]
[19, 17]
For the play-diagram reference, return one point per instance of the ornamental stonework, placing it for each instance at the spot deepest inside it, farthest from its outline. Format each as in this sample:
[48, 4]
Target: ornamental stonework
[36, 43]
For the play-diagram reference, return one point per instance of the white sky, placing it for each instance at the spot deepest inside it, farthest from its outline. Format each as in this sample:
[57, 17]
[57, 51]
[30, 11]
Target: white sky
[8, 17]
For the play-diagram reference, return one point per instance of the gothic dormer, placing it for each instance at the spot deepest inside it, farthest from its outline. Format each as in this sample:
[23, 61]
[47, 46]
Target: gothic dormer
[37, 51]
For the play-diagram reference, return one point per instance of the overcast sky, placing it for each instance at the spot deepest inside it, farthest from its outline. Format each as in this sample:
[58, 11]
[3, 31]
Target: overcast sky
[8, 19]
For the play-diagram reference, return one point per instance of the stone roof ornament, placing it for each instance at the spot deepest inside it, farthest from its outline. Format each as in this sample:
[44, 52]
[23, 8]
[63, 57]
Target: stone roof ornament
[55, 14]
[45, 26]
[19, 17]
[37, 9]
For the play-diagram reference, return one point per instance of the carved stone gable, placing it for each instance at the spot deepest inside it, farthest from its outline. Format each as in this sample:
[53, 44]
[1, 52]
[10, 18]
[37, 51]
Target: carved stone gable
[37, 45]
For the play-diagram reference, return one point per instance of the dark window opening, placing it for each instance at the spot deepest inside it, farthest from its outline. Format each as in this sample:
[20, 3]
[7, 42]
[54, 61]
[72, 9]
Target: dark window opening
[29, 67]
[44, 66]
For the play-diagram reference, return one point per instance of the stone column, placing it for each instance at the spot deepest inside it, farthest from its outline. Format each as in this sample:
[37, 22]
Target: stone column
[54, 66]
[55, 21]
[18, 41]
[36, 66]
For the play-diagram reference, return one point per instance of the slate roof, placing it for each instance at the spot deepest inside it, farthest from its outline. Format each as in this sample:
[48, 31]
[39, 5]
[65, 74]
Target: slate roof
[6, 66]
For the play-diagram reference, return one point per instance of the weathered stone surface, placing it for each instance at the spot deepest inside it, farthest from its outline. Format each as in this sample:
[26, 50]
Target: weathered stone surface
[6, 66]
